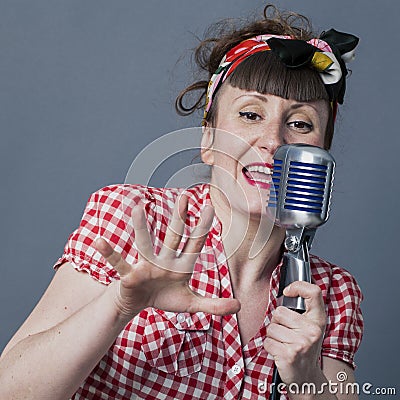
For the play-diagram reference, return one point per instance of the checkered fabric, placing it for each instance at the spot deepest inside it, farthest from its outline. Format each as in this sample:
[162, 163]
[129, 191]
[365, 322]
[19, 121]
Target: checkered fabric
[166, 355]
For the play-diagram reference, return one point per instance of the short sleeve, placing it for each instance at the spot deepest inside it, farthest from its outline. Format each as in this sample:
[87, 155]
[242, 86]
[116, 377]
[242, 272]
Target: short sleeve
[344, 318]
[107, 215]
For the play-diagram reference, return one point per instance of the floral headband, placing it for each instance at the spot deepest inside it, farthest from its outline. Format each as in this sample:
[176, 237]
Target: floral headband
[327, 55]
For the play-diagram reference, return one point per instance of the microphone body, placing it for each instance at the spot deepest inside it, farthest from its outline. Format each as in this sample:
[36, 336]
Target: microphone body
[302, 178]
[301, 193]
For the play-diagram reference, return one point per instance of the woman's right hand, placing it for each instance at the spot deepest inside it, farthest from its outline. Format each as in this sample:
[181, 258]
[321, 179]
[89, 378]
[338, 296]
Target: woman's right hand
[161, 281]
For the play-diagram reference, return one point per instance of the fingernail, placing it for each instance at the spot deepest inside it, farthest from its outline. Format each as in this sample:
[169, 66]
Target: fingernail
[287, 289]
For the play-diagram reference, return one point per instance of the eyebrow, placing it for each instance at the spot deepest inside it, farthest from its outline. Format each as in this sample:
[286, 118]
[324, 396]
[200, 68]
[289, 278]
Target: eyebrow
[303, 104]
[258, 96]
[263, 98]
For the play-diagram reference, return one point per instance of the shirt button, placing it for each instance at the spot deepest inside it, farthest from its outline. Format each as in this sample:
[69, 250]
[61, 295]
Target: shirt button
[236, 369]
[181, 317]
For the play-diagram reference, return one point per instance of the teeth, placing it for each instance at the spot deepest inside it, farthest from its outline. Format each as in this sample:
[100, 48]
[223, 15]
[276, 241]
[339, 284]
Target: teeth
[259, 168]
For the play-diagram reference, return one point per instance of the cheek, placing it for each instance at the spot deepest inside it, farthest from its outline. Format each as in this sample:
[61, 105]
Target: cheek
[320, 140]
[225, 163]
[229, 149]
[316, 139]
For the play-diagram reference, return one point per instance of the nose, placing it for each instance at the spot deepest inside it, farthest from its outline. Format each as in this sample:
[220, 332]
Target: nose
[270, 138]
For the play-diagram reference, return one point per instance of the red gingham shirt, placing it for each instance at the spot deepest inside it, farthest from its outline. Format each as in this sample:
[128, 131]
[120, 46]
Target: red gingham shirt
[167, 355]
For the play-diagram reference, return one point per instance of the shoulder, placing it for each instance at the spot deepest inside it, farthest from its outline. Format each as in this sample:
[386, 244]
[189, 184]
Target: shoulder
[342, 296]
[109, 209]
[108, 214]
[129, 195]
[128, 192]
[336, 282]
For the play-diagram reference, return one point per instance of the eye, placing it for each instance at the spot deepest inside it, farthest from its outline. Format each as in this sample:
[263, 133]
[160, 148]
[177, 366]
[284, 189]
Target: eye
[301, 126]
[249, 115]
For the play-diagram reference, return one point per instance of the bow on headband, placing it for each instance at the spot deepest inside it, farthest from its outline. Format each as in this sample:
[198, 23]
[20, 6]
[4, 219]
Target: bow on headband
[327, 55]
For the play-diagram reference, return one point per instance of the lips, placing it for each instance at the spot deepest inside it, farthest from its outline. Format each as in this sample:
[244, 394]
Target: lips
[258, 174]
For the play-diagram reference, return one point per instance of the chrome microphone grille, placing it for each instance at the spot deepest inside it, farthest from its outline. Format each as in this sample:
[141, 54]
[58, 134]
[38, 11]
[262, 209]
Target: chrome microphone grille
[305, 187]
[302, 184]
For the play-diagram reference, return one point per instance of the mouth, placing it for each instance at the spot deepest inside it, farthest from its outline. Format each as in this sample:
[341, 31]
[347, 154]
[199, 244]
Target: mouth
[258, 174]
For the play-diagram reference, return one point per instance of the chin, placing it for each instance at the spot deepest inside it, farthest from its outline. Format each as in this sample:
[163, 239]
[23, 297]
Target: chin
[256, 207]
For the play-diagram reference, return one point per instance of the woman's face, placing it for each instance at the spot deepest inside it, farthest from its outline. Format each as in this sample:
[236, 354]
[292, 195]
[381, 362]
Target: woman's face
[250, 126]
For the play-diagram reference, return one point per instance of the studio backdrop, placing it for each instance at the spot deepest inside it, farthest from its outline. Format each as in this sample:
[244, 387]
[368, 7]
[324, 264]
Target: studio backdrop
[85, 86]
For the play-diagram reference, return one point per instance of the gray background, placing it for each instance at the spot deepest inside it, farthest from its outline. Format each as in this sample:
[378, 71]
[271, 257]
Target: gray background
[84, 85]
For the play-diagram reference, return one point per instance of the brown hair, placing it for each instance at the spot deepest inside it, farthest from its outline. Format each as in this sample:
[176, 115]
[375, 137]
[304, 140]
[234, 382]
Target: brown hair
[264, 71]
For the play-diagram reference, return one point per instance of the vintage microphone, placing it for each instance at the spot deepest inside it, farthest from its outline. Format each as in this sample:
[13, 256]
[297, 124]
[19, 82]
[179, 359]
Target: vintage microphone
[301, 193]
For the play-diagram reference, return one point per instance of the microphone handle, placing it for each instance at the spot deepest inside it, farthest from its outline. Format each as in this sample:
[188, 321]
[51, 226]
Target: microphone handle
[276, 381]
[293, 269]
[276, 378]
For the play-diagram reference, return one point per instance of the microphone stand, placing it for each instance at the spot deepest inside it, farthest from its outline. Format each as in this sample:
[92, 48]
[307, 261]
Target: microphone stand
[295, 267]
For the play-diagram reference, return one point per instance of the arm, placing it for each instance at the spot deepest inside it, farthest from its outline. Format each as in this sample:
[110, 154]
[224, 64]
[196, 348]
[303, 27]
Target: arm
[295, 341]
[77, 320]
[333, 368]
[327, 385]
[47, 352]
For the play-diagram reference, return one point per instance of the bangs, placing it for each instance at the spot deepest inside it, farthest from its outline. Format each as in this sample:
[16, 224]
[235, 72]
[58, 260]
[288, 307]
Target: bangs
[265, 73]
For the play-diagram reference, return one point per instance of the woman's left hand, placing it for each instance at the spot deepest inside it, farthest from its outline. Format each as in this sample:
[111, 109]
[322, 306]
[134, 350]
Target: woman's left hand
[293, 339]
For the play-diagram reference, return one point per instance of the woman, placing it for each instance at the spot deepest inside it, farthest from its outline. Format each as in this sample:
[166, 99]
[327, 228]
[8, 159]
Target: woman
[175, 302]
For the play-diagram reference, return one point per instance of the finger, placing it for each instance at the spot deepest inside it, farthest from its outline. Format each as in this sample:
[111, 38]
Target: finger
[287, 317]
[175, 227]
[312, 295]
[215, 306]
[273, 347]
[143, 240]
[282, 333]
[113, 257]
[199, 235]
[288, 326]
